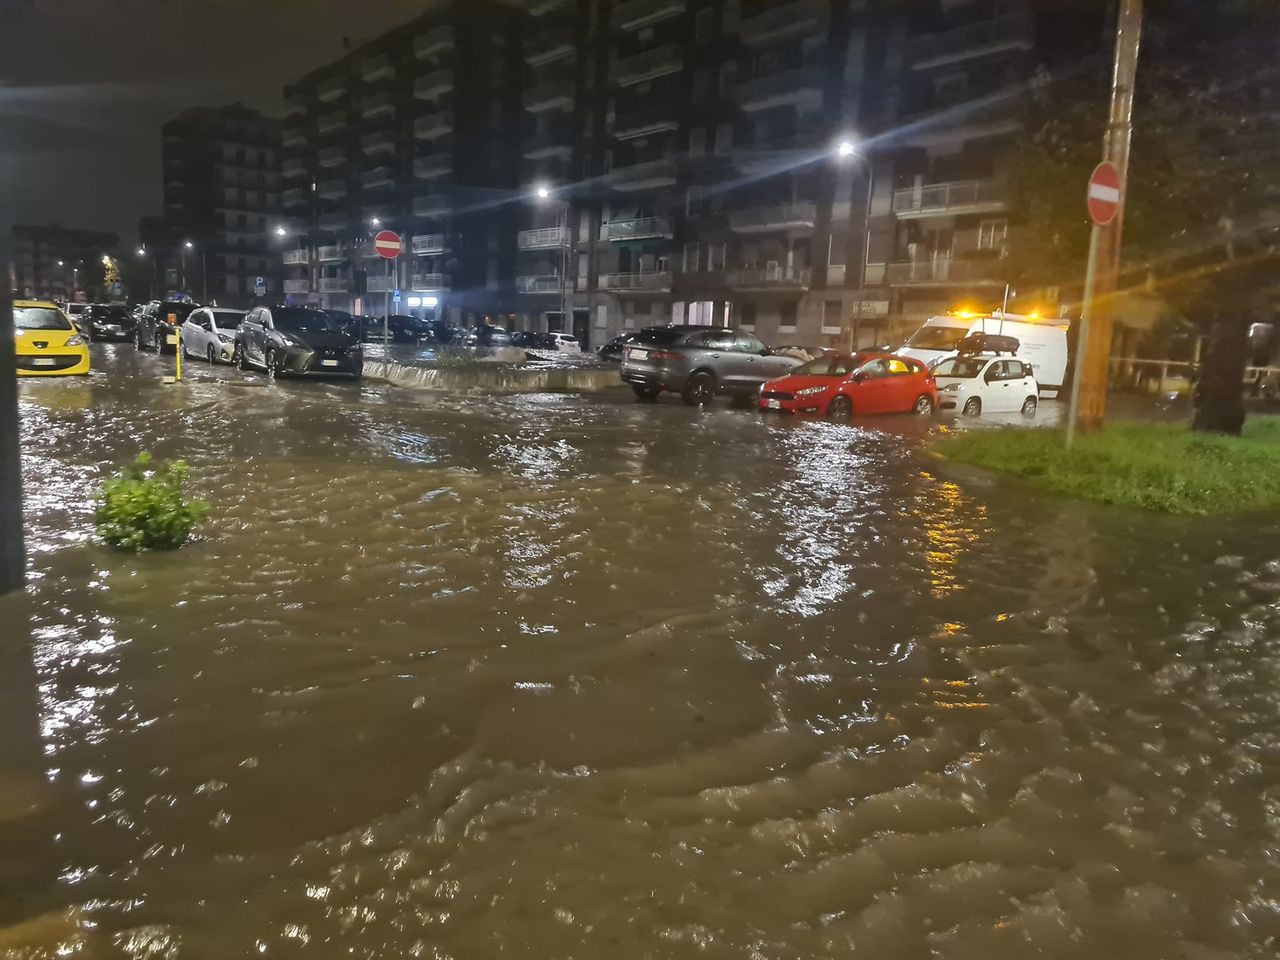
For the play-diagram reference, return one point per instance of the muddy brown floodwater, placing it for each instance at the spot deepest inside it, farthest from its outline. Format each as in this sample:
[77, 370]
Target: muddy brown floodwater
[575, 677]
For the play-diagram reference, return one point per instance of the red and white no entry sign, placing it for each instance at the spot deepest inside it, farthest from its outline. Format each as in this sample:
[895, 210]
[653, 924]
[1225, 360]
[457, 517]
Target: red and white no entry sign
[1105, 193]
[387, 244]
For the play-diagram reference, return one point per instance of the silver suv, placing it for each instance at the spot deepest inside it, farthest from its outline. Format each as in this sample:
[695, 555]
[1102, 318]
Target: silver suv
[700, 362]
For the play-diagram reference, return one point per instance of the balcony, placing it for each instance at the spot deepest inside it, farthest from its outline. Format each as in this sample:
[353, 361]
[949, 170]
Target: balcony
[548, 45]
[332, 157]
[554, 95]
[293, 258]
[294, 106]
[782, 20]
[297, 286]
[941, 124]
[945, 271]
[293, 167]
[296, 197]
[636, 282]
[377, 177]
[331, 122]
[433, 43]
[331, 89]
[548, 143]
[334, 189]
[543, 239]
[648, 65]
[795, 217]
[329, 253]
[432, 205]
[543, 283]
[539, 8]
[377, 143]
[950, 199]
[634, 14]
[800, 87]
[643, 228]
[333, 222]
[429, 282]
[972, 41]
[434, 84]
[292, 137]
[645, 175]
[377, 68]
[379, 282]
[658, 118]
[427, 243]
[379, 105]
[334, 285]
[432, 165]
[773, 276]
[432, 125]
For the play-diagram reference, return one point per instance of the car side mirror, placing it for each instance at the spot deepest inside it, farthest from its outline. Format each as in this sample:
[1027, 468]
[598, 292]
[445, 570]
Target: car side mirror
[859, 376]
[766, 352]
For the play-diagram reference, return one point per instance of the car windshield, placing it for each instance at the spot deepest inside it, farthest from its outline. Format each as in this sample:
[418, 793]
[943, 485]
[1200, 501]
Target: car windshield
[297, 320]
[39, 318]
[227, 319]
[937, 338]
[660, 336]
[110, 313]
[963, 367]
[829, 365]
[179, 310]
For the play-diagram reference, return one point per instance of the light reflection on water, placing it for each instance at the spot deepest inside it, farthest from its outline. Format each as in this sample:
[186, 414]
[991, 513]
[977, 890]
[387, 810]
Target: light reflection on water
[576, 677]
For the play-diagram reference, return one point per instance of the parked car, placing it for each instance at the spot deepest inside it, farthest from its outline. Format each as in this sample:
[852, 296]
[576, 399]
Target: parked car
[297, 340]
[559, 342]
[522, 338]
[699, 362]
[76, 312]
[210, 332]
[46, 342]
[838, 385]
[492, 336]
[108, 321]
[156, 320]
[986, 384]
[402, 329]
[614, 349]
[1042, 343]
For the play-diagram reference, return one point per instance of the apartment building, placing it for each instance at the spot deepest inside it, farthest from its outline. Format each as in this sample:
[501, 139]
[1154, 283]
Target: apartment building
[693, 160]
[221, 206]
[54, 262]
[414, 131]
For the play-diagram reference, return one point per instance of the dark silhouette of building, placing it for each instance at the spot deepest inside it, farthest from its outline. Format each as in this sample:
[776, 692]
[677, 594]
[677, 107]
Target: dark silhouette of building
[53, 261]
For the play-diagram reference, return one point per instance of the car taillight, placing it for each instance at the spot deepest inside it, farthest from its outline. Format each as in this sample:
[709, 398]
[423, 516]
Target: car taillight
[664, 355]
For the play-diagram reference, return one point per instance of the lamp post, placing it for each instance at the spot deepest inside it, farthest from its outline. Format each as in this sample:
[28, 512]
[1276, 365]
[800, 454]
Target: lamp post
[151, 276]
[62, 279]
[844, 150]
[543, 194]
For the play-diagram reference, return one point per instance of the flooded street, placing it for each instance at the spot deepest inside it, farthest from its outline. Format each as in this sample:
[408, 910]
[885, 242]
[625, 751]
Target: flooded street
[572, 676]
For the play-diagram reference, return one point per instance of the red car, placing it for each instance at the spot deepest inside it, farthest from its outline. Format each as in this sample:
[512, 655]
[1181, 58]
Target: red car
[838, 385]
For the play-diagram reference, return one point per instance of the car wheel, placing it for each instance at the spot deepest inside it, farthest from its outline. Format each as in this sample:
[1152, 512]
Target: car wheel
[241, 361]
[1029, 406]
[972, 407]
[924, 406]
[645, 393]
[137, 340]
[159, 342]
[213, 355]
[269, 361]
[840, 408]
[699, 389]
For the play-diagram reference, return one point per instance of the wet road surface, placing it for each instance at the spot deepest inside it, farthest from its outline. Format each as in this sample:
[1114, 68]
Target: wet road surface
[580, 677]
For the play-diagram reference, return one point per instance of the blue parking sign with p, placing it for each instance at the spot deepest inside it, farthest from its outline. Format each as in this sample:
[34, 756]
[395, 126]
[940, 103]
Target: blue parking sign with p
[396, 296]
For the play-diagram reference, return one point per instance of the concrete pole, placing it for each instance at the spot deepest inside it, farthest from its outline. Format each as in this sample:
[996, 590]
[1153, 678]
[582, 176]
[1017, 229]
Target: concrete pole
[13, 562]
[1093, 354]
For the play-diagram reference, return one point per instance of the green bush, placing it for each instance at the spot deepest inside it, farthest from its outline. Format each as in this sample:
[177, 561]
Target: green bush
[143, 507]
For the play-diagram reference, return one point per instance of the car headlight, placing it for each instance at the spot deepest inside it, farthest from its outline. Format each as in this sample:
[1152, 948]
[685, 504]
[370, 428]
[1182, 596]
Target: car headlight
[226, 337]
[953, 387]
[75, 340]
[810, 391]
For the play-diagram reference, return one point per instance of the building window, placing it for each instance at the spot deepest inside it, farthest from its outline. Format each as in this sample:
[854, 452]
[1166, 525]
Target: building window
[831, 311]
[691, 256]
[992, 234]
[787, 323]
[693, 201]
[747, 312]
[697, 141]
[715, 256]
[705, 24]
[837, 250]
[724, 137]
[701, 84]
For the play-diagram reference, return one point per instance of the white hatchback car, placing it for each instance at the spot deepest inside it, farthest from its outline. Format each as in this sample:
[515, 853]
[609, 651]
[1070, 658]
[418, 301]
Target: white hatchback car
[985, 384]
[210, 332]
[566, 342]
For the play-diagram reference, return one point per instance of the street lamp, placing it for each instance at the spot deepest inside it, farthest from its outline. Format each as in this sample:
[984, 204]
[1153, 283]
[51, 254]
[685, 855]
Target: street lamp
[151, 279]
[376, 222]
[543, 193]
[281, 231]
[846, 148]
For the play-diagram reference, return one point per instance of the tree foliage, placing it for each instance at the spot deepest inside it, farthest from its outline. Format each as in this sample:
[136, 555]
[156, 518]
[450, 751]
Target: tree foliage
[144, 507]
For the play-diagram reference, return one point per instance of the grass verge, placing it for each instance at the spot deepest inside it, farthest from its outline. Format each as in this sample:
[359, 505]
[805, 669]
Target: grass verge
[1153, 466]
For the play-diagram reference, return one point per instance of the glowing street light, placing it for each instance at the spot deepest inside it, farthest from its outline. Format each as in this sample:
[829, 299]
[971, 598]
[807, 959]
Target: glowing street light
[189, 245]
[376, 221]
[846, 148]
[142, 251]
[543, 193]
[281, 231]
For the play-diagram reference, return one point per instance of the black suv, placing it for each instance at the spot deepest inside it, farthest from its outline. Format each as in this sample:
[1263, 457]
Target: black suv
[157, 321]
[298, 340]
[698, 362]
[108, 321]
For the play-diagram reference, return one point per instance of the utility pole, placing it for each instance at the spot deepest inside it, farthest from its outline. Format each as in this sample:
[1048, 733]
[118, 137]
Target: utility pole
[13, 561]
[1093, 349]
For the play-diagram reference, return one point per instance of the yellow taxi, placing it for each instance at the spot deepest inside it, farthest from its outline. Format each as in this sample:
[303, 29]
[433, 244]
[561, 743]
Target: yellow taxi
[46, 341]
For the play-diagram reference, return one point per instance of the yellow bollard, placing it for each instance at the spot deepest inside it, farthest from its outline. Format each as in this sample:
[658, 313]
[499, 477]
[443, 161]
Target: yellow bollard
[176, 339]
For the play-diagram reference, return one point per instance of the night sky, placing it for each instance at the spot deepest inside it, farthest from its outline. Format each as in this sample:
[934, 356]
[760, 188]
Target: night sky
[85, 85]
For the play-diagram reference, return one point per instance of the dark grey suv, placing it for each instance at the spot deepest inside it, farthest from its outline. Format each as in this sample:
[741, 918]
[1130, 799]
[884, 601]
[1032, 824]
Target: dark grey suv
[700, 362]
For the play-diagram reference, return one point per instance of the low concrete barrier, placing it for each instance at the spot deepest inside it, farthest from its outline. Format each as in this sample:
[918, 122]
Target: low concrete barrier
[495, 378]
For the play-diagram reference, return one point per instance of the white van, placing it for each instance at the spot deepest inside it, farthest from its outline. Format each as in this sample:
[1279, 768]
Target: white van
[1041, 343]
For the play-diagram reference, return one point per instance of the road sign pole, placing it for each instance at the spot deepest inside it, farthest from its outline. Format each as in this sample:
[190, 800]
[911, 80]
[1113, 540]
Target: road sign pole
[1082, 335]
[386, 317]
[13, 563]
